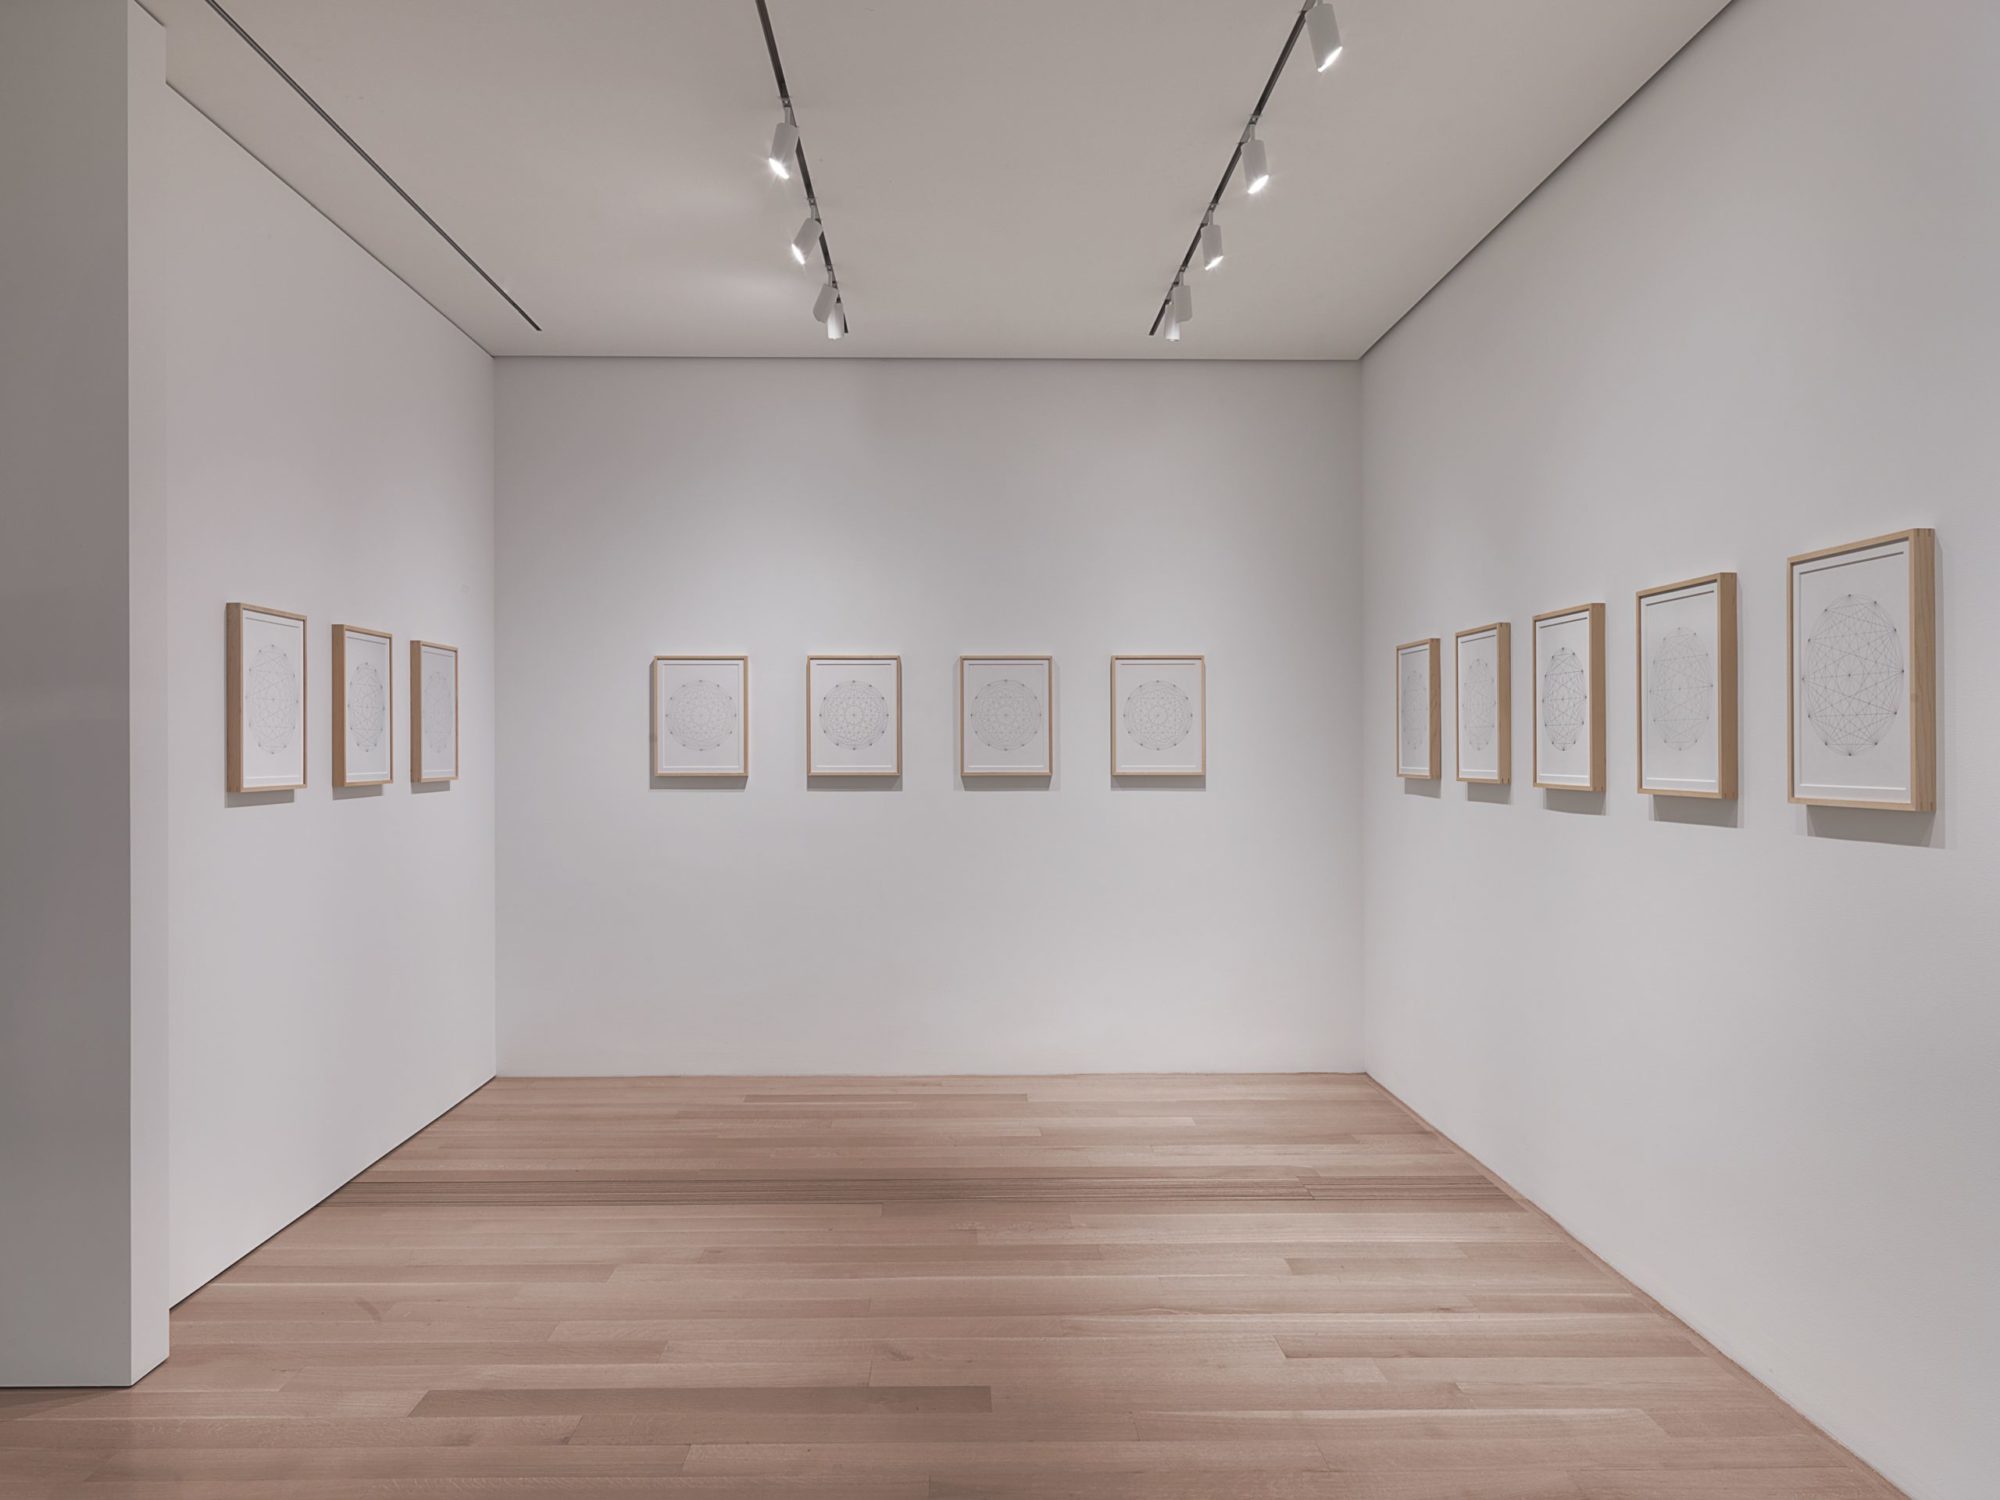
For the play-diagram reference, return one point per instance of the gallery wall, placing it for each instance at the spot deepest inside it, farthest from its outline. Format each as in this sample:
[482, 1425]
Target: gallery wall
[308, 435]
[1745, 1051]
[779, 508]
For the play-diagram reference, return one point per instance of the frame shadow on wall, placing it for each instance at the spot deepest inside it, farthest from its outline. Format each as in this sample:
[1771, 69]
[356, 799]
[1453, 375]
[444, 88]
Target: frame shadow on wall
[837, 783]
[1699, 812]
[1576, 804]
[1423, 786]
[697, 783]
[1496, 793]
[352, 793]
[1188, 783]
[259, 799]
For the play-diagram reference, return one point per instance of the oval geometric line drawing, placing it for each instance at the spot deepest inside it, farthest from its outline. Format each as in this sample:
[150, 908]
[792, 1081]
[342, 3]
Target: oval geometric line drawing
[853, 714]
[1682, 687]
[274, 699]
[1565, 698]
[1158, 715]
[437, 715]
[1415, 725]
[1006, 714]
[701, 714]
[1852, 675]
[1481, 705]
[367, 706]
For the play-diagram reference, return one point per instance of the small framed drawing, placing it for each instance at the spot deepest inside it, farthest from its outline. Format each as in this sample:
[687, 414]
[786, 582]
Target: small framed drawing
[854, 716]
[1006, 716]
[1418, 743]
[1863, 653]
[1686, 635]
[433, 712]
[1569, 699]
[364, 725]
[1482, 663]
[266, 668]
[701, 716]
[1159, 716]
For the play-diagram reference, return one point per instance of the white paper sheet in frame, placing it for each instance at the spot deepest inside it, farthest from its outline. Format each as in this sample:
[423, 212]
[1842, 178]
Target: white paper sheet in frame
[854, 716]
[1417, 737]
[1006, 716]
[1159, 716]
[364, 719]
[1687, 688]
[1862, 674]
[701, 716]
[434, 711]
[267, 695]
[1568, 691]
[1483, 724]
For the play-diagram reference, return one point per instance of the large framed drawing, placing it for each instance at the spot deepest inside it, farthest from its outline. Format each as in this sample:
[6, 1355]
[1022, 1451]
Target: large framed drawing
[1863, 673]
[364, 722]
[266, 671]
[1418, 740]
[1482, 664]
[854, 716]
[1006, 716]
[433, 712]
[701, 716]
[1686, 641]
[1569, 699]
[1159, 716]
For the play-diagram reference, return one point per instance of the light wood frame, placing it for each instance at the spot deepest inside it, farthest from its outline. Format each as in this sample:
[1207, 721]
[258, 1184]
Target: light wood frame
[417, 649]
[340, 776]
[1503, 684]
[1435, 770]
[1201, 708]
[233, 699]
[811, 659]
[1048, 768]
[1594, 686]
[1726, 752]
[1921, 542]
[742, 768]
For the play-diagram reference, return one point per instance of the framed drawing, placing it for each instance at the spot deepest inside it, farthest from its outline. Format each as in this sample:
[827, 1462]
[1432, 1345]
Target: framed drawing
[364, 725]
[1418, 743]
[1006, 716]
[1686, 635]
[854, 716]
[1159, 716]
[1569, 699]
[1863, 673]
[266, 670]
[701, 716]
[433, 712]
[1482, 664]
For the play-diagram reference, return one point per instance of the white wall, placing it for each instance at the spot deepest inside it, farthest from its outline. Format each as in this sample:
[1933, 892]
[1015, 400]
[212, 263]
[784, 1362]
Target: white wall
[307, 434]
[930, 509]
[1747, 1054]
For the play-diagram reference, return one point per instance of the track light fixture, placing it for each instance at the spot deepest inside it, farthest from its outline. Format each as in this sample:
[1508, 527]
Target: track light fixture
[1323, 31]
[836, 321]
[787, 152]
[823, 304]
[806, 240]
[1315, 20]
[784, 146]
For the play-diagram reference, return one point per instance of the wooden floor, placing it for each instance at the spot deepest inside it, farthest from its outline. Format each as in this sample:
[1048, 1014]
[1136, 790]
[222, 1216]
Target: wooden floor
[1151, 1287]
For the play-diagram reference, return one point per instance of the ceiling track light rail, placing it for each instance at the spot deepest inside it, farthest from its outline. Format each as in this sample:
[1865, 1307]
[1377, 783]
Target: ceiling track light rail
[1326, 47]
[787, 144]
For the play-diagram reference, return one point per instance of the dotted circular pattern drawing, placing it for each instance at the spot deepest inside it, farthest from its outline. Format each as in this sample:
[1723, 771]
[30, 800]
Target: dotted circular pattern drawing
[701, 714]
[853, 714]
[1480, 703]
[1565, 698]
[1682, 687]
[1414, 720]
[1006, 714]
[438, 711]
[1852, 675]
[367, 706]
[1158, 715]
[274, 699]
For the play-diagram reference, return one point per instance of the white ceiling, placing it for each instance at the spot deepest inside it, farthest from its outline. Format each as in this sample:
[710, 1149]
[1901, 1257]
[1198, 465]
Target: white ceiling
[997, 179]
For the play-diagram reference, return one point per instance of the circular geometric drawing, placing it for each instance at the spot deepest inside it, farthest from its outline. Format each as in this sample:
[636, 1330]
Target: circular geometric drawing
[1853, 675]
[1683, 683]
[701, 714]
[437, 723]
[1158, 715]
[274, 699]
[367, 706]
[1006, 714]
[1481, 705]
[1414, 724]
[853, 715]
[1564, 698]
